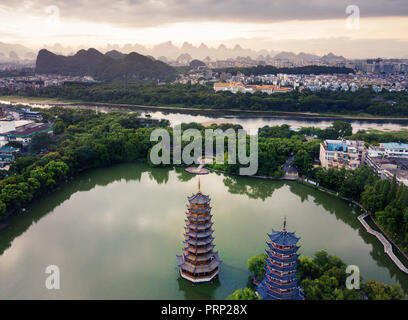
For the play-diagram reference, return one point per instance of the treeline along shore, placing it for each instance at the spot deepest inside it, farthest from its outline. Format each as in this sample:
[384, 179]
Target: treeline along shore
[83, 140]
[360, 104]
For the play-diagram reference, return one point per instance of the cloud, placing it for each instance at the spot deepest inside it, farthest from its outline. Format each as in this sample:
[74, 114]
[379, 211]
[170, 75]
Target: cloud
[298, 25]
[147, 13]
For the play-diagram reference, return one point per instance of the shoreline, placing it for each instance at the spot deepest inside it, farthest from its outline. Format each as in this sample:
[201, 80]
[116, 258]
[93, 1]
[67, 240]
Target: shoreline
[169, 108]
[4, 223]
[299, 180]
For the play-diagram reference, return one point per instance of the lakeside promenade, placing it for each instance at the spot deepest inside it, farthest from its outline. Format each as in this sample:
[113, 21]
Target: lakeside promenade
[387, 245]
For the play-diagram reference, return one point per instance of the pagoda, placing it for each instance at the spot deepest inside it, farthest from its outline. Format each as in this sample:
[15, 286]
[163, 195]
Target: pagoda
[279, 282]
[198, 262]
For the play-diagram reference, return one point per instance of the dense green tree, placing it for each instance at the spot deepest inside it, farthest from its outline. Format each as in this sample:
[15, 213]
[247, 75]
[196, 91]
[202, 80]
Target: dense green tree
[40, 141]
[2, 209]
[257, 265]
[303, 162]
[198, 96]
[244, 294]
[59, 127]
[15, 144]
[342, 128]
[380, 291]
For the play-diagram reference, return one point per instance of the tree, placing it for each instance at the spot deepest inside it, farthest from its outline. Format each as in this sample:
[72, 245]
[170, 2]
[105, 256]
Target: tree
[343, 129]
[21, 163]
[323, 288]
[257, 265]
[2, 209]
[59, 127]
[244, 294]
[379, 291]
[40, 141]
[303, 162]
[308, 268]
[15, 144]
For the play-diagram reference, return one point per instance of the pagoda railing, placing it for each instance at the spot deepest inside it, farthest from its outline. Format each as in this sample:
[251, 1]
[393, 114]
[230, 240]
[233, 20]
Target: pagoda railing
[281, 282]
[282, 248]
[282, 265]
[282, 256]
[281, 274]
[280, 292]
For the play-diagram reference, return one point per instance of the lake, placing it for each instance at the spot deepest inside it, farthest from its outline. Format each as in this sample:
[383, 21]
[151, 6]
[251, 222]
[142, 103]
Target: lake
[115, 233]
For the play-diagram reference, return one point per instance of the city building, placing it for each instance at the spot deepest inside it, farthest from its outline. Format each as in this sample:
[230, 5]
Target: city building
[198, 262]
[387, 168]
[11, 125]
[24, 133]
[280, 282]
[31, 115]
[392, 149]
[349, 154]
[7, 155]
[235, 87]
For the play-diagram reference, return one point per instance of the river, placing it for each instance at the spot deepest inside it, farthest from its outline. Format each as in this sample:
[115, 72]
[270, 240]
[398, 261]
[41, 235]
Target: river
[115, 233]
[248, 122]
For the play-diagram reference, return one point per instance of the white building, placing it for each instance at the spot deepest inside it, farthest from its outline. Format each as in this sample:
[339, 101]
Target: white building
[391, 149]
[342, 153]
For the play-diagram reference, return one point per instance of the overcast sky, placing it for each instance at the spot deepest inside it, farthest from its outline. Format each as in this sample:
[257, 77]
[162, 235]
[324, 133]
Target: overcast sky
[316, 26]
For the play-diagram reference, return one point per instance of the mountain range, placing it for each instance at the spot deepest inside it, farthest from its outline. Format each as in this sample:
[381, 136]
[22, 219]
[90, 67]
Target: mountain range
[167, 51]
[112, 65]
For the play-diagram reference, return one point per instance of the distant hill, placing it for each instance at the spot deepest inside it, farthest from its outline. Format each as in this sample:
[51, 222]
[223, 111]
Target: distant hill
[115, 54]
[16, 51]
[332, 58]
[110, 66]
[196, 63]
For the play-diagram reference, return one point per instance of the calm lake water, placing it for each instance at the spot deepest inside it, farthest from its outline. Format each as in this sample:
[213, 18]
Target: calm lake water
[247, 122]
[115, 232]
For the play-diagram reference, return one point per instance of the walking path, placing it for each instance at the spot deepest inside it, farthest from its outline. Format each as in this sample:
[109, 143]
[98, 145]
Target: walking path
[384, 241]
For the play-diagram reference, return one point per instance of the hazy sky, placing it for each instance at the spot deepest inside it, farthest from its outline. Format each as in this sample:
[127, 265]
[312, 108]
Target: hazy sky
[315, 26]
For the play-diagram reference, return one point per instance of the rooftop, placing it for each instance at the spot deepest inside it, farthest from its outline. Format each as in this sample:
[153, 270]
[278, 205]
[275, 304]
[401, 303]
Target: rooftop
[8, 149]
[395, 145]
[283, 238]
[199, 198]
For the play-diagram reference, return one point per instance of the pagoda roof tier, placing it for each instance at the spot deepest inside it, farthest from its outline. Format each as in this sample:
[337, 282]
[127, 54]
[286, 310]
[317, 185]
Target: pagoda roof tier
[279, 259]
[201, 250]
[268, 294]
[199, 198]
[210, 267]
[273, 284]
[199, 234]
[191, 218]
[200, 242]
[283, 238]
[279, 277]
[282, 251]
[199, 210]
[200, 257]
[199, 226]
[286, 268]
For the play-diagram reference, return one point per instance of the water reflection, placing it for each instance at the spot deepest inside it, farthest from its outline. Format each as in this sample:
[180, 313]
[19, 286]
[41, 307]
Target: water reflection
[203, 291]
[129, 219]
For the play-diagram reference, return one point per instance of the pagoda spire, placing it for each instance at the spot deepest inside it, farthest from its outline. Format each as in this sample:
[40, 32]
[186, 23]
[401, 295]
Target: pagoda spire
[199, 186]
[284, 224]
